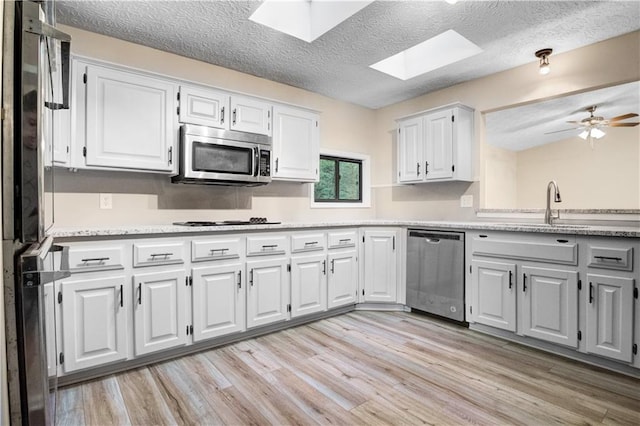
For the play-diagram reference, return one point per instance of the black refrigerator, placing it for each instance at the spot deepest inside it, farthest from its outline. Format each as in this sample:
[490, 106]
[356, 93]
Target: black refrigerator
[35, 85]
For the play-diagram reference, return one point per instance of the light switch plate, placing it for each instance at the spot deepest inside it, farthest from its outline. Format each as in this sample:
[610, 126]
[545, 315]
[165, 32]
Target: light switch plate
[106, 201]
[466, 201]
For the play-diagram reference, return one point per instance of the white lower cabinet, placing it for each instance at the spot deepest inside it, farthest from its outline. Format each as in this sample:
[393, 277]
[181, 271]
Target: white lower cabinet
[267, 291]
[94, 321]
[308, 284]
[550, 305]
[494, 294]
[609, 312]
[380, 266]
[159, 310]
[342, 278]
[218, 296]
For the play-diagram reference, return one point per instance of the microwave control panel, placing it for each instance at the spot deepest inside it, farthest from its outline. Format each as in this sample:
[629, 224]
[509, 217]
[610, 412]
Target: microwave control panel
[265, 163]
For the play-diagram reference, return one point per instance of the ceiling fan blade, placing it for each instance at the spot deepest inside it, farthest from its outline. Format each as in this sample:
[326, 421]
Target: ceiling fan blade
[565, 130]
[574, 122]
[623, 117]
[623, 124]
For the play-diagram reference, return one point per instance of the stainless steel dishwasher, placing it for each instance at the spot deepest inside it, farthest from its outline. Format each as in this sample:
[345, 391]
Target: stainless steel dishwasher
[435, 272]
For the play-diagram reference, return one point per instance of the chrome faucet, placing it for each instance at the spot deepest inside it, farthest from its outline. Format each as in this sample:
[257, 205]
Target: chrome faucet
[548, 216]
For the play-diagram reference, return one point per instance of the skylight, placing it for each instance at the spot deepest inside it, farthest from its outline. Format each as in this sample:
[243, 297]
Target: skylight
[306, 19]
[437, 52]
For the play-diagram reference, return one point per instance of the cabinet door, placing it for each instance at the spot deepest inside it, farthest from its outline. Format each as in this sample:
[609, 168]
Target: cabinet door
[411, 167]
[250, 115]
[159, 311]
[308, 284]
[342, 279]
[296, 144]
[439, 145]
[550, 305]
[494, 291]
[94, 322]
[218, 301]
[204, 107]
[130, 122]
[610, 316]
[267, 292]
[380, 273]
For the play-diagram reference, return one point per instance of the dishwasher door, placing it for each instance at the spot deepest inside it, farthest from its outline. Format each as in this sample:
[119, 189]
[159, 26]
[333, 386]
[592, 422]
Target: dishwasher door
[435, 272]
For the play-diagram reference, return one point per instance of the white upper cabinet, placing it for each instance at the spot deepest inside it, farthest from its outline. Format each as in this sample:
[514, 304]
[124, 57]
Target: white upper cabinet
[130, 120]
[296, 144]
[204, 107]
[250, 115]
[410, 143]
[436, 146]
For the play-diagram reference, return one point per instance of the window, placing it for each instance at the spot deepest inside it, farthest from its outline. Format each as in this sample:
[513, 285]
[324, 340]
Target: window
[343, 181]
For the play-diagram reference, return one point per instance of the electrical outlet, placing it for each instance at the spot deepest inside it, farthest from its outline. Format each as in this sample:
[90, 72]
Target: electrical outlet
[466, 201]
[106, 201]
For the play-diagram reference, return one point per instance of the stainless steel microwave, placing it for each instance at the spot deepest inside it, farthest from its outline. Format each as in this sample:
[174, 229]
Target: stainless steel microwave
[223, 157]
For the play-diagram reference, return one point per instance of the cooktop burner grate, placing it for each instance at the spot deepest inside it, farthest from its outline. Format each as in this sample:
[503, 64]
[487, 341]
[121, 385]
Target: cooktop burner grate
[251, 221]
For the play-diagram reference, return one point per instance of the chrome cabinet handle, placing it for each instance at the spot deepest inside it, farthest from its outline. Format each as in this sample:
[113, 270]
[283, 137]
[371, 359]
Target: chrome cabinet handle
[276, 165]
[269, 247]
[418, 168]
[324, 267]
[222, 116]
[94, 259]
[332, 265]
[426, 168]
[344, 241]
[165, 255]
[590, 292]
[170, 155]
[139, 293]
[510, 279]
[524, 283]
[239, 279]
[310, 243]
[121, 295]
[233, 117]
[221, 250]
[251, 277]
[617, 259]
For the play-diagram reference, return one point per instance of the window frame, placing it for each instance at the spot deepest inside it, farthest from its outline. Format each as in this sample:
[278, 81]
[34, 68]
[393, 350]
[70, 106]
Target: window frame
[365, 181]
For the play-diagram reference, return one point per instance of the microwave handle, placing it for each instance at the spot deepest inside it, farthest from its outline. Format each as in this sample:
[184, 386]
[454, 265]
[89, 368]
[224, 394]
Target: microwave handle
[256, 161]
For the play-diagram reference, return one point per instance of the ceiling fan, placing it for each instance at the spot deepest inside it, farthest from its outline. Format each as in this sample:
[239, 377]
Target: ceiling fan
[592, 125]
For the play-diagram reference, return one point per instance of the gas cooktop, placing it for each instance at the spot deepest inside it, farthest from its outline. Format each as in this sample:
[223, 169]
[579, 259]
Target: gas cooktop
[251, 221]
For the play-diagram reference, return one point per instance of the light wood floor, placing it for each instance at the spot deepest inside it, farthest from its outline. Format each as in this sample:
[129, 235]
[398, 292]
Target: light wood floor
[363, 368]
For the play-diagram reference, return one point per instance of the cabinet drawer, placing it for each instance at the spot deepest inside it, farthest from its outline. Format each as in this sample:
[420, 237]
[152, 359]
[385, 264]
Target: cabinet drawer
[98, 258]
[339, 239]
[610, 257]
[158, 253]
[219, 248]
[308, 242]
[265, 245]
[561, 250]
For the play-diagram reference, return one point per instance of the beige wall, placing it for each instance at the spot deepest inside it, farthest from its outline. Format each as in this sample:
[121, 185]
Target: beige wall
[610, 62]
[150, 199]
[501, 177]
[140, 198]
[607, 176]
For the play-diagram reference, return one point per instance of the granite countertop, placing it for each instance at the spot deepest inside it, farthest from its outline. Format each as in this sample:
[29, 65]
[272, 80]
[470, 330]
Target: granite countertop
[630, 231]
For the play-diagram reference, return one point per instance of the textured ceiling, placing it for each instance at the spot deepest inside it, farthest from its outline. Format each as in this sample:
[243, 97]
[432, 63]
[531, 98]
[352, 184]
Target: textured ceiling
[527, 126]
[337, 63]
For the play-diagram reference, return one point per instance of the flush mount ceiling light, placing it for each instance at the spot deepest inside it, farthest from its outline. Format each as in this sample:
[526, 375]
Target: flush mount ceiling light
[543, 54]
[306, 19]
[437, 52]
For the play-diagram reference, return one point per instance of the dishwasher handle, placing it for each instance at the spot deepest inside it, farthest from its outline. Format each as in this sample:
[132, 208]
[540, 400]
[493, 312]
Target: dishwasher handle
[432, 240]
[435, 237]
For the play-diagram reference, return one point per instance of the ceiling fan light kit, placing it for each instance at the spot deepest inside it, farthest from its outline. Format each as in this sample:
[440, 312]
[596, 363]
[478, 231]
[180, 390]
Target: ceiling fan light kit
[543, 54]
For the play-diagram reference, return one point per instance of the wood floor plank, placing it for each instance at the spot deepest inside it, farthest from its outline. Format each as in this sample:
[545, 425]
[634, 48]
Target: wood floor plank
[385, 368]
[111, 410]
[70, 406]
[143, 400]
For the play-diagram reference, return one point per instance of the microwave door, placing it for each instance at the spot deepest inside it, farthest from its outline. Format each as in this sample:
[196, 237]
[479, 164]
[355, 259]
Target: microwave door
[213, 159]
